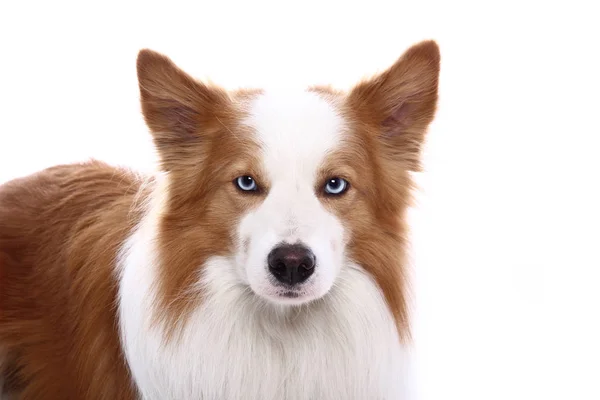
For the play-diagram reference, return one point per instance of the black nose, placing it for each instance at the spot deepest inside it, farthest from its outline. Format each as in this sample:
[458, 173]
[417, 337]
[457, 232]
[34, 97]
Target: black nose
[291, 263]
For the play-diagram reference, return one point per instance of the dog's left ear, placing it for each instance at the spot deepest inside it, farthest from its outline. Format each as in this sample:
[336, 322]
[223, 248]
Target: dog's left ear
[400, 103]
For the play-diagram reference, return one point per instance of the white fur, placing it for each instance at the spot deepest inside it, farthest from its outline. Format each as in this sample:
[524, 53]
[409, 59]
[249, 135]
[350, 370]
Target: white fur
[296, 131]
[242, 343]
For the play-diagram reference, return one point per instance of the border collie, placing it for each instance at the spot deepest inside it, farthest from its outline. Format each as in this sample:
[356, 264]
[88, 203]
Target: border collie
[265, 260]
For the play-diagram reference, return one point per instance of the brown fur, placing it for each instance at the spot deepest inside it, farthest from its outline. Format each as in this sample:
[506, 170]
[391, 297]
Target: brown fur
[202, 204]
[389, 114]
[61, 229]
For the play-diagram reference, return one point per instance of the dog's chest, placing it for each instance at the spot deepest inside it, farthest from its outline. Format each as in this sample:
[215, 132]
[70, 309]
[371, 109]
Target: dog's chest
[234, 347]
[251, 364]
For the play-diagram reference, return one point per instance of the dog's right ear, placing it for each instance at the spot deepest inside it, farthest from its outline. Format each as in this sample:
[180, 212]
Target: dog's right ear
[177, 108]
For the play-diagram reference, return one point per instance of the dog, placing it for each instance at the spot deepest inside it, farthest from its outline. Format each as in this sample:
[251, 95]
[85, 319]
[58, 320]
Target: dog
[265, 259]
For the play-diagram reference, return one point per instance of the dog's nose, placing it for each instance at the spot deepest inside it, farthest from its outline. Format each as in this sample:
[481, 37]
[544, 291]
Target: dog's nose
[291, 263]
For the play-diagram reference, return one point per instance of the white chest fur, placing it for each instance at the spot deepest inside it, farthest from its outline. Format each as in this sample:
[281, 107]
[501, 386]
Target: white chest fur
[236, 346]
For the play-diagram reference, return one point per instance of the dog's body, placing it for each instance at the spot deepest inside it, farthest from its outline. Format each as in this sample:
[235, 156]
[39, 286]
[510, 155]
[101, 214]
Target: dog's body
[263, 261]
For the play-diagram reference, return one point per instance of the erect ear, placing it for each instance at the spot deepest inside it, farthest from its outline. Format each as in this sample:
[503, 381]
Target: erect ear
[178, 109]
[400, 103]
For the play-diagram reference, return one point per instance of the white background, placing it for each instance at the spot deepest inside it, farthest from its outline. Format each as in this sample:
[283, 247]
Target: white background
[506, 231]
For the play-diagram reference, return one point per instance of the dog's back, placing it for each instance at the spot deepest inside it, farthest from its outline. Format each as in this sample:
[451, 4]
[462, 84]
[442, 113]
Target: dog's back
[60, 231]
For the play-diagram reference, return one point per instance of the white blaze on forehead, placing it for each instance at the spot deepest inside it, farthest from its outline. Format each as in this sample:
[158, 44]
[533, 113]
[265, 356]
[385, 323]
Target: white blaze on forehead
[296, 130]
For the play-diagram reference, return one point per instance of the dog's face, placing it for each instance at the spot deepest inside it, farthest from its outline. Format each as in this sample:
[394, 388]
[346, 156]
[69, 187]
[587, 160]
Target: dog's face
[292, 244]
[293, 187]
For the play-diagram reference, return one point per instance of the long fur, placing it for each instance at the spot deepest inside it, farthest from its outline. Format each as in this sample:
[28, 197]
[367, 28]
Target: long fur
[120, 286]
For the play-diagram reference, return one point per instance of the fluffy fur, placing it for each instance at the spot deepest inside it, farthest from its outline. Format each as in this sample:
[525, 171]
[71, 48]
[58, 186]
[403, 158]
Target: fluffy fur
[118, 286]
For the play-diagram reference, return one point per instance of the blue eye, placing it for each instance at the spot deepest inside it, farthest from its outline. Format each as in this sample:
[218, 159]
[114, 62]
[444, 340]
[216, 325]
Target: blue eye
[336, 186]
[246, 183]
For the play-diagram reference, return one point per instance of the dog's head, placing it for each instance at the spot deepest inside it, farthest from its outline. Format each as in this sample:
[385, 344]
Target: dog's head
[292, 187]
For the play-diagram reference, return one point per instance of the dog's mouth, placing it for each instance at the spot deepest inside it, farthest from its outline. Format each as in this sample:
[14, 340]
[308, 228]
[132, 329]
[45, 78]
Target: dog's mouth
[289, 291]
[283, 293]
[288, 294]
[291, 294]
